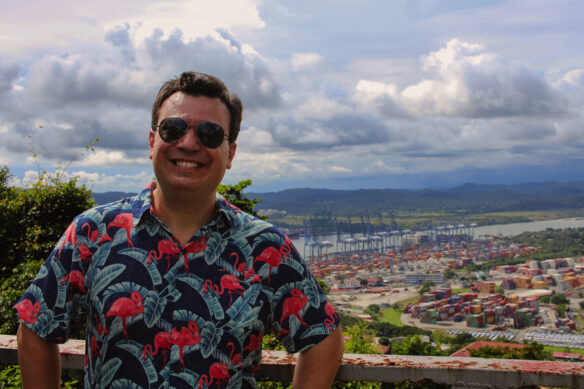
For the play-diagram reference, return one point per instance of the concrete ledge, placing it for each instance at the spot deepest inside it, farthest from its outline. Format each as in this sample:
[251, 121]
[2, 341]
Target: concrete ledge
[458, 372]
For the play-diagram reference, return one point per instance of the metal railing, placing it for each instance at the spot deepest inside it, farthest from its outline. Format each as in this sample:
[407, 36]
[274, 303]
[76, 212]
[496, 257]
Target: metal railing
[455, 371]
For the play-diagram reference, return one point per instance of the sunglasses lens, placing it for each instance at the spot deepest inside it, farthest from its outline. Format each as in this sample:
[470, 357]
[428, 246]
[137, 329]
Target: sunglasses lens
[172, 129]
[210, 134]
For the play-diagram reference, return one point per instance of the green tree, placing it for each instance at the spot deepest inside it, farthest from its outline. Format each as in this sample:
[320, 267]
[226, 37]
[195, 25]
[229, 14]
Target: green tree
[426, 286]
[33, 219]
[441, 337]
[561, 310]
[323, 285]
[531, 351]
[413, 345]
[558, 298]
[373, 311]
[234, 195]
[359, 339]
[463, 338]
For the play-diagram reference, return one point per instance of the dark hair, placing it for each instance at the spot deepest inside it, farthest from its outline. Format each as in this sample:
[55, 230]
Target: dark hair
[201, 84]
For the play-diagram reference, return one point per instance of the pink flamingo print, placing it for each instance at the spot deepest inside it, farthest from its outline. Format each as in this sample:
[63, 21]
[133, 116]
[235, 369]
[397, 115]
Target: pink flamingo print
[218, 371]
[234, 358]
[27, 311]
[76, 279]
[255, 341]
[94, 235]
[186, 336]
[247, 273]
[84, 252]
[94, 346]
[330, 311]
[273, 257]
[70, 237]
[293, 305]
[165, 247]
[194, 247]
[125, 307]
[125, 221]
[228, 283]
[162, 342]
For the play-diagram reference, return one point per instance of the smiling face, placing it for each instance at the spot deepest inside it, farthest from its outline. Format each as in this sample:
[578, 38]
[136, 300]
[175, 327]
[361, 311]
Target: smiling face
[186, 166]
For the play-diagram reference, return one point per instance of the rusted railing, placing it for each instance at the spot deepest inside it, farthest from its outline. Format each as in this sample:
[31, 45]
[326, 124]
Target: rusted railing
[458, 372]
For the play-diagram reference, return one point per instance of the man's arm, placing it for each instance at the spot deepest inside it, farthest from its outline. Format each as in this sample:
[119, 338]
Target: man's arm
[317, 367]
[40, 361]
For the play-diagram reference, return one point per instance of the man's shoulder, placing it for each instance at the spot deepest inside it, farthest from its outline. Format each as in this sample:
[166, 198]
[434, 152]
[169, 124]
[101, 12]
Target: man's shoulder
[132, 204]
[244, 221]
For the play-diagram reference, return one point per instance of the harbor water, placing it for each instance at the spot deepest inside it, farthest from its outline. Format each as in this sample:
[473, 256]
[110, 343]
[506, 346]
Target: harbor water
[496, 229]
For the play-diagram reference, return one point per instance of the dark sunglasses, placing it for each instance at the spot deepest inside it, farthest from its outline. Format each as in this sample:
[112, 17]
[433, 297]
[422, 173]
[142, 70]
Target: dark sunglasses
[172, 129]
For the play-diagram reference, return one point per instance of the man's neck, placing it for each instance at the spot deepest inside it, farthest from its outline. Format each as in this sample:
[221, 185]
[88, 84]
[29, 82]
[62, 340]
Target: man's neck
[183, 213]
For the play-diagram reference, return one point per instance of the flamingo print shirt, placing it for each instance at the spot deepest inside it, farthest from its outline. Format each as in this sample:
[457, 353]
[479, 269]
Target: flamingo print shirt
[163, 315]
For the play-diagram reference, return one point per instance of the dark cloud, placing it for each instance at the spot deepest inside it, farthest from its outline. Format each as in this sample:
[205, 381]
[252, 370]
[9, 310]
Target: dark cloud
[247, 76]
[80, 96]
[338, 131]
[9, 72]
[120, 37]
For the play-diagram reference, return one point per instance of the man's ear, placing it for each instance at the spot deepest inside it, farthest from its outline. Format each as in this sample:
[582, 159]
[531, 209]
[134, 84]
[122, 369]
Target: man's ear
[151, 139]
[232, 148]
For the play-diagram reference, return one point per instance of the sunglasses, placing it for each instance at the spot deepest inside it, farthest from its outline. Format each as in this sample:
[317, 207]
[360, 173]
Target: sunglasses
[172, 129]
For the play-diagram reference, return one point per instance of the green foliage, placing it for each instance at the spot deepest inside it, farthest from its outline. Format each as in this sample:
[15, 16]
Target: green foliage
[462, 339]
[10, 378]
[558, 298]
[325, 288]
[359, 341]
[426, 286]
[413, 345]
[422, 384]
[33, 219]
[441, 336]
[581, 304]
[373, 311]
[271, 342]
[449, 274]
[392, 331]
[234, 194]
[348, 320]
[531, 351]
[545, 299]
[561, 310]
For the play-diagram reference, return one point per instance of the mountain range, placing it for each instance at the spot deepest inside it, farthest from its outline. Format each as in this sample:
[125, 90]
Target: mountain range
[473, 198]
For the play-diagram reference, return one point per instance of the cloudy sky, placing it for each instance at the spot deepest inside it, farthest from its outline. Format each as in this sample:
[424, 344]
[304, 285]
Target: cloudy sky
[341, 94]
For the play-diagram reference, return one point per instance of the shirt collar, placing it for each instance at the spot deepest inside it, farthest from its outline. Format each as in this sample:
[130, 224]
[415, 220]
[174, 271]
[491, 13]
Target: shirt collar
[225, 217]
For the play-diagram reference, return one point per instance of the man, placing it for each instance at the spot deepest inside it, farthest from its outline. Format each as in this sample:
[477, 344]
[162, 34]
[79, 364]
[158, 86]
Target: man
[178, 287]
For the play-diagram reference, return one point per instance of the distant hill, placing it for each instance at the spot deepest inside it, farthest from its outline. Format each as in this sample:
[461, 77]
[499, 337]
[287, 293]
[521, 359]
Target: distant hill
[473, 198]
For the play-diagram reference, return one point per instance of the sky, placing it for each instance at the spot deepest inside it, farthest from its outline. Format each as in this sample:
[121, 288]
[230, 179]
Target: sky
[339, 94]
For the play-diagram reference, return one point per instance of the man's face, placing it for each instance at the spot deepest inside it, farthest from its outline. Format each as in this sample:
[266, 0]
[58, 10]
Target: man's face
[186, 165]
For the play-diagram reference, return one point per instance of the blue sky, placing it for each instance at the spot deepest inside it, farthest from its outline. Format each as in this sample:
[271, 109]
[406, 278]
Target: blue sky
[340, 94]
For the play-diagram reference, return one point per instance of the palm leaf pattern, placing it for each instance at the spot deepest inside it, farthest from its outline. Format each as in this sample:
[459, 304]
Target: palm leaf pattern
[163, 324]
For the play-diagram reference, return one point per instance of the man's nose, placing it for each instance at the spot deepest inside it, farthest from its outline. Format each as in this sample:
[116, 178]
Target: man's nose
[190, 139]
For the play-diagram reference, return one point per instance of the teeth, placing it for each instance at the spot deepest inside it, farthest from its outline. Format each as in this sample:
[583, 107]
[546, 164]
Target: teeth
[187, 164]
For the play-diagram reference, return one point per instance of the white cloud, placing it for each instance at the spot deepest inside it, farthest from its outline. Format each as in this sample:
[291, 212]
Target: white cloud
[321, 108]
[573, 78]
[301, 61]
[381, 167]
[105, 158]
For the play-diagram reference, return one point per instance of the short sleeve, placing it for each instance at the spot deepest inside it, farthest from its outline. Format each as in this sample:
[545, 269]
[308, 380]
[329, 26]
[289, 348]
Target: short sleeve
[58, 290]
[302, 314]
